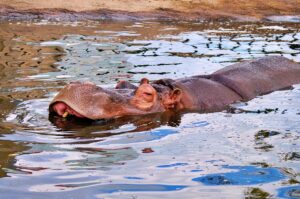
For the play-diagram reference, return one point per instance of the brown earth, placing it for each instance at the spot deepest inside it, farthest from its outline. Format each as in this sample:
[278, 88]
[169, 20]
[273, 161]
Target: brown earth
[150, 9]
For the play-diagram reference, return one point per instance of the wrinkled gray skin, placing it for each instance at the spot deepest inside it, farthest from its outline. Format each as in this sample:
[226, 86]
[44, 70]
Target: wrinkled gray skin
[239, 82]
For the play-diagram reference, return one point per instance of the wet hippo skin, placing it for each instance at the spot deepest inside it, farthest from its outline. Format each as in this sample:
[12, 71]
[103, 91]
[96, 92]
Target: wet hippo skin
[206, 93]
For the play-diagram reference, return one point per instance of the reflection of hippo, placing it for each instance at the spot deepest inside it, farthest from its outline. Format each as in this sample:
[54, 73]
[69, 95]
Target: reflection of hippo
[238, 82]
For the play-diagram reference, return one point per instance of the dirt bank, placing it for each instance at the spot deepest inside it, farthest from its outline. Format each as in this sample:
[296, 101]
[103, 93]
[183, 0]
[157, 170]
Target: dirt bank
[151, 9]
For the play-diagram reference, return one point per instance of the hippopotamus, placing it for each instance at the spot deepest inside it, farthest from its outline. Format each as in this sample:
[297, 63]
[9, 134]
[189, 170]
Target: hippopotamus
[205, 93]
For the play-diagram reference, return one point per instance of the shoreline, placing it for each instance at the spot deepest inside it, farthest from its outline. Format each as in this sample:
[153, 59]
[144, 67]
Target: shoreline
[177, 10]
[11, 14]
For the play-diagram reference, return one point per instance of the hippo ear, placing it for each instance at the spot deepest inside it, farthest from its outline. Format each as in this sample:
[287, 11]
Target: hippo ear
[125, 85]
[172, 99]
[145, 96]
[144, 81]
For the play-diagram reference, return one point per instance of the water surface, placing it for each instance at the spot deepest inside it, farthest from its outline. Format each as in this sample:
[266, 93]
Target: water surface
[249, 150]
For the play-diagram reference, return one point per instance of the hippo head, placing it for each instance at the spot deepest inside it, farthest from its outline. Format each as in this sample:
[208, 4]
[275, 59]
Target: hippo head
[86, 100]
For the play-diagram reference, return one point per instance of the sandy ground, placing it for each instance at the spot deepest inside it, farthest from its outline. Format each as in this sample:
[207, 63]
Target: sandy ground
[158, 9]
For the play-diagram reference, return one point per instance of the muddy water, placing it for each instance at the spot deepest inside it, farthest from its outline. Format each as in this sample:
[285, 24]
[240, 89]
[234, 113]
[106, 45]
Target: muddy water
[249, 150]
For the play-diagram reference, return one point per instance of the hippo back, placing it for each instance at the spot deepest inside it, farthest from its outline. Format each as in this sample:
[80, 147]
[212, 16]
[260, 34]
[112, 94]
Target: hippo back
[204, 94]
[262, 76]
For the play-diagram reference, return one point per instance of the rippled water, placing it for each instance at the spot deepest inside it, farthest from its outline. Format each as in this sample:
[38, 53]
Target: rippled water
[249, 151]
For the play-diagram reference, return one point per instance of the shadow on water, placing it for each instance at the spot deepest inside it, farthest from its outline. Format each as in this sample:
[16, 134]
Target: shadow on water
[137, 123]
[150, 127]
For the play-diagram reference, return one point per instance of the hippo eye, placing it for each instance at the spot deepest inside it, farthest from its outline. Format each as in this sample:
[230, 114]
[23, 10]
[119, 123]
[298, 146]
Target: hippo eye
[148, 94]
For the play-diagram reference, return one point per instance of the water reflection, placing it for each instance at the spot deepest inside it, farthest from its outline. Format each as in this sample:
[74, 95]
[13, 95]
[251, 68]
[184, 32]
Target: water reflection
[136, 188]
[256, 193]
[155, 153]
[292, 192]
[8, 151]
[245, 175]
[49, 158]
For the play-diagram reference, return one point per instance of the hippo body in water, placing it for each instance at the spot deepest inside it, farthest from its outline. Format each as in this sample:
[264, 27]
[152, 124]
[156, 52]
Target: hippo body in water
[206, 93]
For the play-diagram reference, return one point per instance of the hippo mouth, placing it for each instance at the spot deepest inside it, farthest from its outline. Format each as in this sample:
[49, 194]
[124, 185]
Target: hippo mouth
[64, 110]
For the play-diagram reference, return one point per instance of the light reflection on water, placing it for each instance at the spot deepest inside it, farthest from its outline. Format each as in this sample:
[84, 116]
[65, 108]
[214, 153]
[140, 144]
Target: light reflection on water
[252, 145]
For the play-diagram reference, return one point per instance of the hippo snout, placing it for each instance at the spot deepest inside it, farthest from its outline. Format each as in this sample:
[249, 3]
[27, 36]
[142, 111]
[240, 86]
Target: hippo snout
[62, 109]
